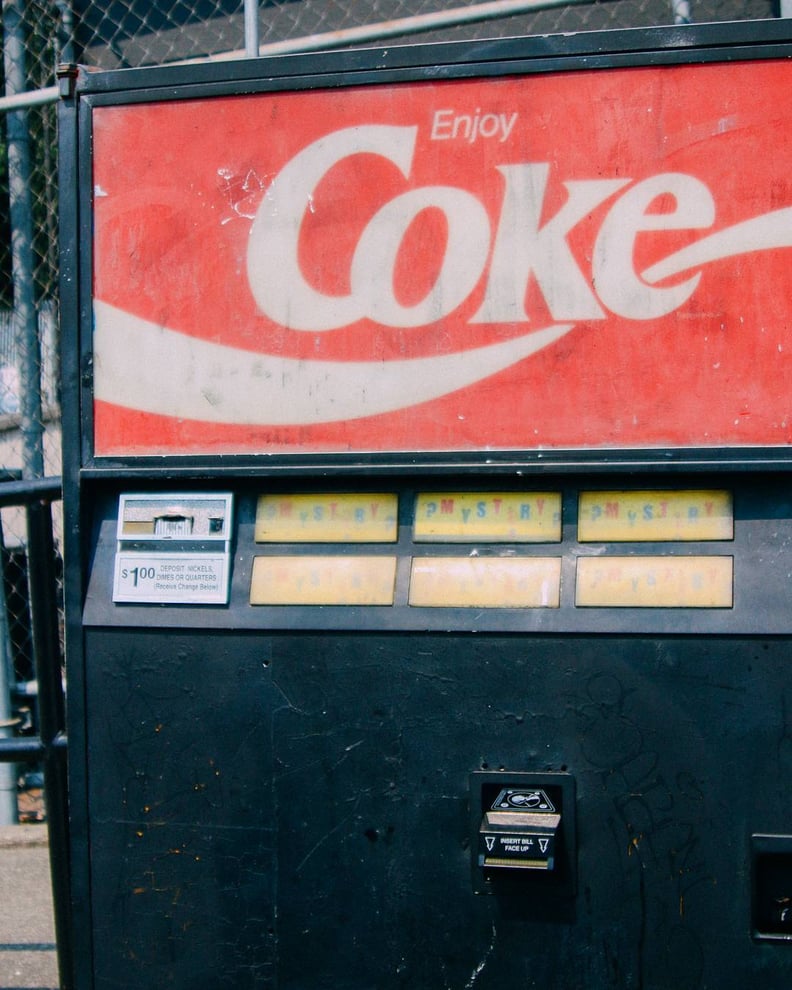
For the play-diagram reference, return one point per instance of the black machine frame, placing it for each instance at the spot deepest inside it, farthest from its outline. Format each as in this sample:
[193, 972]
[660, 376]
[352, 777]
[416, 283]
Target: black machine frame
[91, 483]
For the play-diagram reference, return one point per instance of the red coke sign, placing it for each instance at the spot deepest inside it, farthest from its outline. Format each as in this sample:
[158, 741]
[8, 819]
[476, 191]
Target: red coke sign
[578, 260]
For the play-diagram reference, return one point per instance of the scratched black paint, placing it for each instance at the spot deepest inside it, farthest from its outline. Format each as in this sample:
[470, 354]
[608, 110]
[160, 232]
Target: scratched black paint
[304, 824]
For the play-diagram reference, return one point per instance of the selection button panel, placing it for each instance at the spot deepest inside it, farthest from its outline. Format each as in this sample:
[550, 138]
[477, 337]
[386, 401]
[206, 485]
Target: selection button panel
[655, 582]
[655, 515]
[486, 582]
[315, 579]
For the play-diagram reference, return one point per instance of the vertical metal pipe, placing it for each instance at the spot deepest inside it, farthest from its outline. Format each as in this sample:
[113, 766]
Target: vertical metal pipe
[22, 262]
[8, 771]
[66, 31]
[251, 28]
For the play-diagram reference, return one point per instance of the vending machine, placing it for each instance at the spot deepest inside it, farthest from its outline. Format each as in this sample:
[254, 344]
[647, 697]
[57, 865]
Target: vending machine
[428, 435]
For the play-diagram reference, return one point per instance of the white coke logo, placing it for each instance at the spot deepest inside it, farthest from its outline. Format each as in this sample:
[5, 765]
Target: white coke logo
[203, 379]
[523, 246]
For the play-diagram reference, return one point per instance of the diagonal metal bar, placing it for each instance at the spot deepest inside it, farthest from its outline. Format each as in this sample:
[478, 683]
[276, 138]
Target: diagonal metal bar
[403, 26]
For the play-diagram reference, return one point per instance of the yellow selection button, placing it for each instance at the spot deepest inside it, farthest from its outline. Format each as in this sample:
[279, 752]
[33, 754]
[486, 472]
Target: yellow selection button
[655, 582]
[486, 582]
[327, 518]
[488, 517]
[323, 580]
[663, 516]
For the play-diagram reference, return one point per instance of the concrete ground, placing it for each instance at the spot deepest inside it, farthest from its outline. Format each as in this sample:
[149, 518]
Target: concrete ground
[27, 940]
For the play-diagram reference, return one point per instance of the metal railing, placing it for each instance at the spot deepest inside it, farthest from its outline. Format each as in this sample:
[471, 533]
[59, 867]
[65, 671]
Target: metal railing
[48, 747]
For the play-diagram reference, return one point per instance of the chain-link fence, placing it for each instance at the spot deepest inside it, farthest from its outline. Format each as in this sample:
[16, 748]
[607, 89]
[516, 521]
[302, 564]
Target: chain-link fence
[39, 34]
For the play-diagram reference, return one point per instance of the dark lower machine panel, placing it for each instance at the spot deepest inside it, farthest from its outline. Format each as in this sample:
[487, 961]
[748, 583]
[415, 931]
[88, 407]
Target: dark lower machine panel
[311, 812]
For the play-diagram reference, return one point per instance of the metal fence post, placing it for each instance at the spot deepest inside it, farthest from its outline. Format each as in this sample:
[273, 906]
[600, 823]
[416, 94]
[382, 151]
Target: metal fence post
[21, 214]
[8, 771]
[251, 28]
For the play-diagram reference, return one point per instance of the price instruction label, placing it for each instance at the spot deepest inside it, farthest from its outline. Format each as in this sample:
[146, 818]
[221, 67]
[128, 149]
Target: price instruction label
[171, 578]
